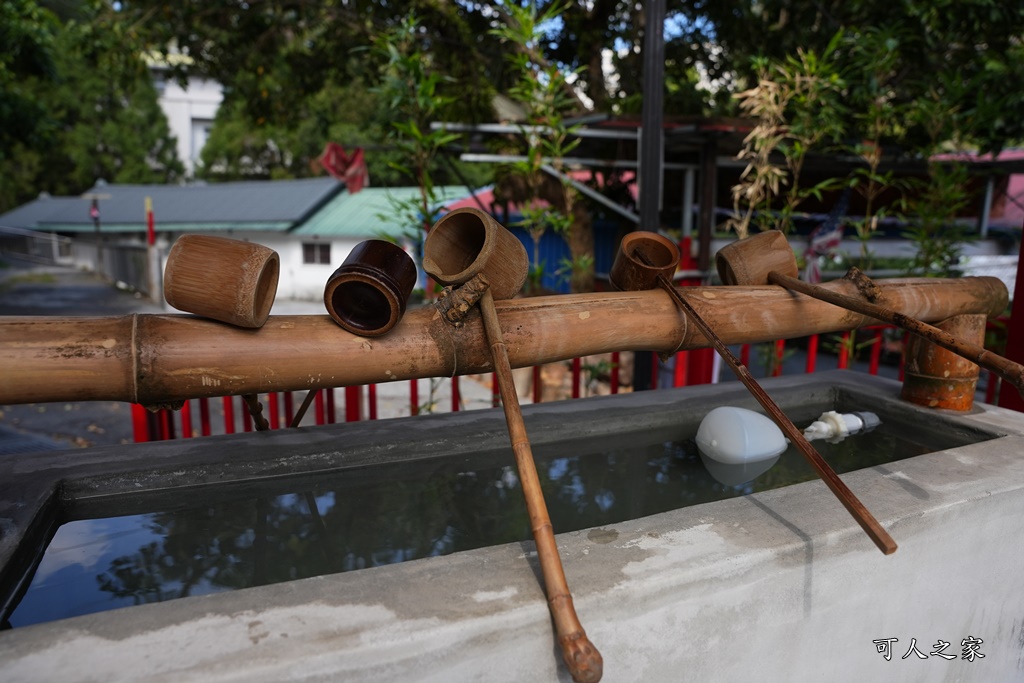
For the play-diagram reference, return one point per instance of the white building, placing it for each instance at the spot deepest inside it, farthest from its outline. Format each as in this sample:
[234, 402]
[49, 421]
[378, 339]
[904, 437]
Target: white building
[190, 111]
[312, 223]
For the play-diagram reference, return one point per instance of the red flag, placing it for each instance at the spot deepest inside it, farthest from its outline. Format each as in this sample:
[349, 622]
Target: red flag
[351, 170]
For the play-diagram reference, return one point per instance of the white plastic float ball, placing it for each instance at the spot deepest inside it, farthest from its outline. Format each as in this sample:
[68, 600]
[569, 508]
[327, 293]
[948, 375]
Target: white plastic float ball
[736, 436]
[738, 445]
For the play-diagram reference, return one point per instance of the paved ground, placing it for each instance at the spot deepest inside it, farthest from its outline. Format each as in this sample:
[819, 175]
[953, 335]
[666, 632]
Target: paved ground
[31, 289]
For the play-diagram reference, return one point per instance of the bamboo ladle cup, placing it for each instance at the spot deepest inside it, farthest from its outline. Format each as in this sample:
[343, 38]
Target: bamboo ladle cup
[223, 279]
[646, 260]
[467, 247]
[766, 258]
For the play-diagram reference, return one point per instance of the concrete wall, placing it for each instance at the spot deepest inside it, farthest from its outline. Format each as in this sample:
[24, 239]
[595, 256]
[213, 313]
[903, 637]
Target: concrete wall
[777, 586]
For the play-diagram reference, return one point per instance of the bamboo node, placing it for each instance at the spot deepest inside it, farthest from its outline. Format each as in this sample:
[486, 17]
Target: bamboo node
[581, 657]
[456, 301]
[865, 285]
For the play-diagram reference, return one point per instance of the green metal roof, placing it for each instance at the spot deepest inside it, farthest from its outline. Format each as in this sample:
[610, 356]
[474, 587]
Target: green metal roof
[369, 212]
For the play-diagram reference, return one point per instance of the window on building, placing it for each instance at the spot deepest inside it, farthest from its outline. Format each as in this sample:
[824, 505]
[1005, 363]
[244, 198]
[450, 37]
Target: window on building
[313, 252]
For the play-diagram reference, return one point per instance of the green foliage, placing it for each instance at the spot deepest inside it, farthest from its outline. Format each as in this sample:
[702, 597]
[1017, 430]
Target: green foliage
[239, 147]
[410, 90]
[966, 54]
[99, 112]
[548, 200]
[934, 231]
[27, 45]
[848, 343]
[771, 357]
[798, 106]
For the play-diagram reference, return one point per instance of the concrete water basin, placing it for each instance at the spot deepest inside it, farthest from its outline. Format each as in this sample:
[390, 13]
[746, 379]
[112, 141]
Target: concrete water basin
[776, 584]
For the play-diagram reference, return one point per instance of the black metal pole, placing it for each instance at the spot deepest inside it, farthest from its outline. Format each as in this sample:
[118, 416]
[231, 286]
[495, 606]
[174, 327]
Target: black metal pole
[652, 134]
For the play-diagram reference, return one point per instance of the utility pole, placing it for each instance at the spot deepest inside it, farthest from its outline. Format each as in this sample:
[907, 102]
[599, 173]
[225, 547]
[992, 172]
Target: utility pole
[94, 214]
[652, 135]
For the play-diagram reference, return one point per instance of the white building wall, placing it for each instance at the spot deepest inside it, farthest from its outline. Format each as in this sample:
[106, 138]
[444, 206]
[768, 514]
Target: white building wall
[305, 281]
[190, 112]
[298, 281]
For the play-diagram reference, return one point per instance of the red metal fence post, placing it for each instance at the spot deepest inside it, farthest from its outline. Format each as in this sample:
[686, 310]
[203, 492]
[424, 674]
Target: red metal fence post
[455, 394]
[844, 353]
[289, 407]
[679, 374]
[876, 353]
[274, 417]
[204, 416]
[780, 355]
[229, 415]
[186, 420]
[330, 405]
[166, 424]
[372, 400]
[353, 404]
[812, 353]
[140, 424]
[318, 402]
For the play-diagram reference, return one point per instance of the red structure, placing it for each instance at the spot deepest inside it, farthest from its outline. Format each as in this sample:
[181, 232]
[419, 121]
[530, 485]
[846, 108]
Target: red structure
[1008, 396]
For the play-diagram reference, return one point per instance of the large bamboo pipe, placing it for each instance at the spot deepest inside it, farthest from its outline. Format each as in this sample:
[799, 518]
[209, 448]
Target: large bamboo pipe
[154, 359]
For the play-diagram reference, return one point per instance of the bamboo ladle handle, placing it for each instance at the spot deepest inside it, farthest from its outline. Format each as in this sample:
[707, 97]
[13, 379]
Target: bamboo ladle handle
[482, 261]
[864, 518]
[581, 657]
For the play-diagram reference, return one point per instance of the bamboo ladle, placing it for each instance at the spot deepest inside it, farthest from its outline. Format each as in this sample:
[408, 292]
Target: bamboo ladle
[766, 258]
[469, 248]
[646, 260]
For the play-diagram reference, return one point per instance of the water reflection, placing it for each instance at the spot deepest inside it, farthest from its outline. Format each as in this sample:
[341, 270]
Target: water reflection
[349, 523]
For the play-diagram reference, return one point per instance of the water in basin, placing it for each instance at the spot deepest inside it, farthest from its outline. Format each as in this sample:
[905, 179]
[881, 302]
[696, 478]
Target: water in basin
[224, 540]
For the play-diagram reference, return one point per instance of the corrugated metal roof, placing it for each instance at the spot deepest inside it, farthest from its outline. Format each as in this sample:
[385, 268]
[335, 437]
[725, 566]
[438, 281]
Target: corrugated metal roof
[27, 216]
[369, 212]
[163, 226]
[255, 205]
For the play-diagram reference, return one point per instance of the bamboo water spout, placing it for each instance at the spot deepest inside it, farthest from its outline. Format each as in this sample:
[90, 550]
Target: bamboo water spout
[154, 359]
[766, 258]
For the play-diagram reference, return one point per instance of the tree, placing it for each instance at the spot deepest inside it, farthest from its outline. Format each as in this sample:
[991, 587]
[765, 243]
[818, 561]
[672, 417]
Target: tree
[98, 116]
[967, 54]
[240, 147]
[273, 55]
[27, 37]
[410, 93]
